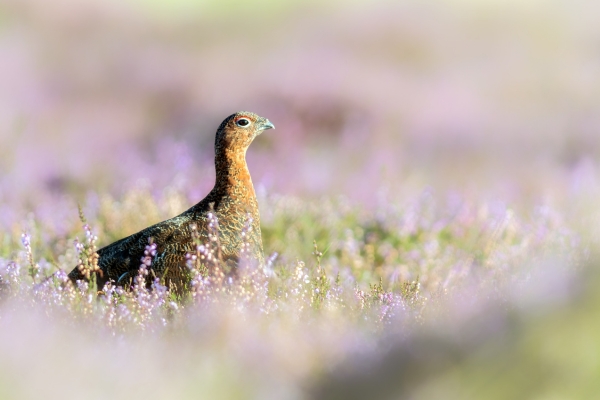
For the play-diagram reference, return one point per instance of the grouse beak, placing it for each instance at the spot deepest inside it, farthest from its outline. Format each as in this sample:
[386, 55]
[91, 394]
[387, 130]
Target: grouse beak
[266, 125]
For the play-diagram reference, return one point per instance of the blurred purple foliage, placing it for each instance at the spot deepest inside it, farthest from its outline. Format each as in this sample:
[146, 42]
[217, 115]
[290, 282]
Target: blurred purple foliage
[441, 154]
[102, 94]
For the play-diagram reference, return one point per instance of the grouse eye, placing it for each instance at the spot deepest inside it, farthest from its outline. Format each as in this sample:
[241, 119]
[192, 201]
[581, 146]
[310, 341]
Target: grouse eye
[243, 122]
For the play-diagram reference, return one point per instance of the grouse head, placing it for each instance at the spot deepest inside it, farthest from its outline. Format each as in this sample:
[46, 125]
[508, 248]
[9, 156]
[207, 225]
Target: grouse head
[239, 130]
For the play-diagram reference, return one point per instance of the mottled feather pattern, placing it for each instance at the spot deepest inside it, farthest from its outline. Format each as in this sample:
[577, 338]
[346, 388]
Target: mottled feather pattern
[232, 199]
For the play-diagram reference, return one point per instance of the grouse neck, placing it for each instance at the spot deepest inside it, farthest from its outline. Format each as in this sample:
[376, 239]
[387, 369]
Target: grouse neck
[232, 174]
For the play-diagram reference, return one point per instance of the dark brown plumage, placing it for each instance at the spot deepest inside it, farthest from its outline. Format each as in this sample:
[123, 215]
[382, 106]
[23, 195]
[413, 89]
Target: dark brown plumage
[232, 198]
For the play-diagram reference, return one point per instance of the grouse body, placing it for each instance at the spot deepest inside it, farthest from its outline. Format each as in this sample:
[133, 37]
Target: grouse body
[232, 200]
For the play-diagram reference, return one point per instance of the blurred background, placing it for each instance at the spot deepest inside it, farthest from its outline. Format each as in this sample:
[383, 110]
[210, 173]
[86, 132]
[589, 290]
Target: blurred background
[493, 105]
[365, 95]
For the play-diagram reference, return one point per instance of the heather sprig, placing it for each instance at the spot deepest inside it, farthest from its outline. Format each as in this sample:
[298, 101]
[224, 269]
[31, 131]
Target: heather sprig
[320, 282]
[206, 264]
[33, 267]
[88, 257]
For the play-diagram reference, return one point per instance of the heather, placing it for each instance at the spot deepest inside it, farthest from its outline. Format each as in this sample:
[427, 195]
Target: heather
[428, 199]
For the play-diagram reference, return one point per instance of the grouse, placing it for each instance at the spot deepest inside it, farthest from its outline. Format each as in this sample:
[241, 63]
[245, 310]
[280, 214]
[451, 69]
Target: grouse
[232, 200]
